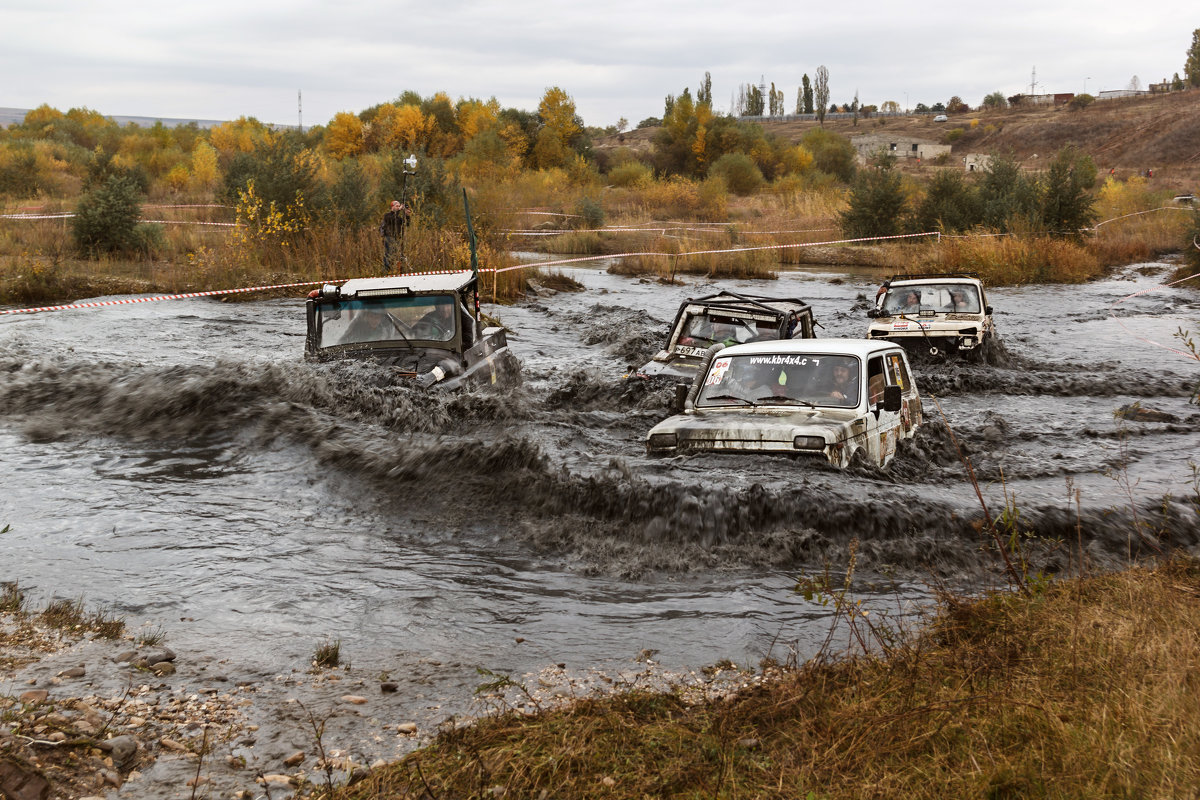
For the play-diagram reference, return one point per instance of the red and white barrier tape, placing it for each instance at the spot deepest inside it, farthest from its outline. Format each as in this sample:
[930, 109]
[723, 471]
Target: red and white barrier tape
[125, 301]
[538, 264]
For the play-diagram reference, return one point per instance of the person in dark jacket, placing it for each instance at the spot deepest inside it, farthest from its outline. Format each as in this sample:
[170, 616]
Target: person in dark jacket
[392, 229]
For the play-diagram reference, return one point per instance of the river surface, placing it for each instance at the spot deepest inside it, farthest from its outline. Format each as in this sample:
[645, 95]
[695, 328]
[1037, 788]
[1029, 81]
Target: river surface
[181, 464]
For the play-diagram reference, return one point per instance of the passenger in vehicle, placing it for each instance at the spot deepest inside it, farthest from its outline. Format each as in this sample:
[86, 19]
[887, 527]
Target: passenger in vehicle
[958, 300]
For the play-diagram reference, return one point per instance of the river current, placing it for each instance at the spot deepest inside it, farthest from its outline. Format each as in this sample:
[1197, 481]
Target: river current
[181, 464]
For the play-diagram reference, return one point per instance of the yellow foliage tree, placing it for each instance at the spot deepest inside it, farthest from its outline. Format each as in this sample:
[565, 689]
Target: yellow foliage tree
[559, 127]
[205, 171]
[344, 135]
[412, 128]
[42, 115]
[178, 178]
[475, 117]
[241, 135]
[795, 160]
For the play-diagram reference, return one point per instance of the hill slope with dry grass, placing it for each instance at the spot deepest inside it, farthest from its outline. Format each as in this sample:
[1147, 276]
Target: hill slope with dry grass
[1160, 132]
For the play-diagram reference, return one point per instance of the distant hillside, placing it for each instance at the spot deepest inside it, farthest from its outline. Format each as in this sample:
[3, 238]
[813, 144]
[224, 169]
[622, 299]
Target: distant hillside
[8, 116]
[1159, 132]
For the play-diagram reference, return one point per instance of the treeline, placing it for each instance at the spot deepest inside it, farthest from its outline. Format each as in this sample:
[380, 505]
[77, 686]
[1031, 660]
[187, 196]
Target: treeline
[1003, 199]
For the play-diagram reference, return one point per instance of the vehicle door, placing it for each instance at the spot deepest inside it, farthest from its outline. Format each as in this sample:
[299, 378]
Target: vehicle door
[882, 425]
[898, 373]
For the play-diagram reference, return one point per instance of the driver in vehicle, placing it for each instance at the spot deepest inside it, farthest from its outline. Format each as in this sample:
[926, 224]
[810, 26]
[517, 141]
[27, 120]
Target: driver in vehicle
[437, 324]
[907, 303]
[366, 325]
[841, 384]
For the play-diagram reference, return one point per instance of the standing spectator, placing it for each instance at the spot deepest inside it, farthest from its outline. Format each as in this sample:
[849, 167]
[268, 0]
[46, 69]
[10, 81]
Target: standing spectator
[392, 230]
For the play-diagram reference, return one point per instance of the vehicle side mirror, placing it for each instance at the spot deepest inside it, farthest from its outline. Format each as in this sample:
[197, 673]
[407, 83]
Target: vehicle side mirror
[873, 313]
[892, 398]
[988, 310]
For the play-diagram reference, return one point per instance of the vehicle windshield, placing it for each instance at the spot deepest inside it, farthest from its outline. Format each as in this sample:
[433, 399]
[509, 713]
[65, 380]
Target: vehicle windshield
[388, 319]
[782, 379]
[703, 330]
[939, 298]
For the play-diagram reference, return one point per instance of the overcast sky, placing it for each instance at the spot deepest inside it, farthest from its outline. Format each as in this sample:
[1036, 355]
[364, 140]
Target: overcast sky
[221, 59]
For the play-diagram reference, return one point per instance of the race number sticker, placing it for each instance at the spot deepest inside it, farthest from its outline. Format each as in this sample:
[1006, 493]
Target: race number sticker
[717, 373]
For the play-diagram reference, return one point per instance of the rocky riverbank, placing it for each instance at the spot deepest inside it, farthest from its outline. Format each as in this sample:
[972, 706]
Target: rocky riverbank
[90, 718]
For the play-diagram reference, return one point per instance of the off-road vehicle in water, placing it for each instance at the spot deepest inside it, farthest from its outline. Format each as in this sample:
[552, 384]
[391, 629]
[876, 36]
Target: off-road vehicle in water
[424, 325]
[935, 314]
[849, 401]
[727, 318]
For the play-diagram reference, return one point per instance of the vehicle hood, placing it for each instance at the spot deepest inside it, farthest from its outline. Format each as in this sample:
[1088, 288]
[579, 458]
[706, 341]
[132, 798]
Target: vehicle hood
[760, 425]
[672, 367]
[914, 324]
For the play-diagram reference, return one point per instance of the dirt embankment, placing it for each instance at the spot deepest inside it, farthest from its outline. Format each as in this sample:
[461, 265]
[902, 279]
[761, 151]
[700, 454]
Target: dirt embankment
[1131, 135]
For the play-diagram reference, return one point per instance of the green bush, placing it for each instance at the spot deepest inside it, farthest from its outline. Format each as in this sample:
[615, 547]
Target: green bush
[739, 172]
[631, 174]
[590, 213]
[1066, 202]
[950, 204]
[832, 154]
[19, 171]
[106, 219]
[952, 135]
[876, 202]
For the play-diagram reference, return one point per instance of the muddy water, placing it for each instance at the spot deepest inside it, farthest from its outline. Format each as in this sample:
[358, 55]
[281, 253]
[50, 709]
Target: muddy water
[180, 463]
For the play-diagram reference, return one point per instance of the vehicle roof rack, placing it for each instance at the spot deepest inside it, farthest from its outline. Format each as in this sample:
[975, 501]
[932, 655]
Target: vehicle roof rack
[912, 276]
[727, 298]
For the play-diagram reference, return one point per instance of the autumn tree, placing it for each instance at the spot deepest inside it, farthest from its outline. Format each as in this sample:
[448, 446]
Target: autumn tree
[1191, 67]
[205, 171]
[560, 126]
[344, 135]
[995, 101]
[806, 86]
[955, 105]
[242, 135]
[821, 93]
[704, 93]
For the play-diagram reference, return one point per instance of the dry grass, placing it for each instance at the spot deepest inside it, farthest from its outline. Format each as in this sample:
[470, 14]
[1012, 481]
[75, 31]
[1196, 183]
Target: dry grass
[1086, 689]
[1010, 260]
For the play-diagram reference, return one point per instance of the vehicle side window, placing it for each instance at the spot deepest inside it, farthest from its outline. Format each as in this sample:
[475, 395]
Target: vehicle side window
[875, 381]
[897, 372]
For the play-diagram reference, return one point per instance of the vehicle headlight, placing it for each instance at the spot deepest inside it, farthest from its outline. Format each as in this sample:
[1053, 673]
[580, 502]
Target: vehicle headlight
[809, 443]
[662, 441]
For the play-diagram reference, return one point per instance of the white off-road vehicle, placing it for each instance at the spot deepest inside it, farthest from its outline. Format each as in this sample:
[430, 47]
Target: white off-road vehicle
[936, 314]
[849, 401]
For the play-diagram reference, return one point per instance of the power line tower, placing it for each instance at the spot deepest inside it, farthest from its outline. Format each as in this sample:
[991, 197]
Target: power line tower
[299, 111]
[1033, 82]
